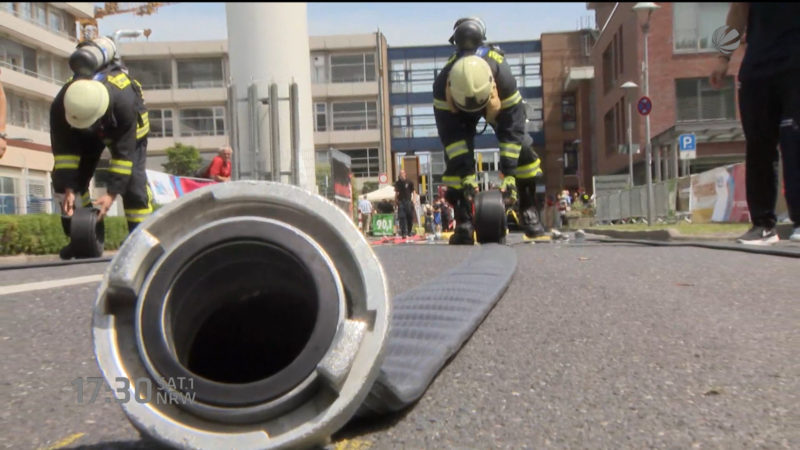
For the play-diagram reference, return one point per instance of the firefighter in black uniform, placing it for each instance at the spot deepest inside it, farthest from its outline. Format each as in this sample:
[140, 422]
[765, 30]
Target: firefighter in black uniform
[477, 82]
[102, 106]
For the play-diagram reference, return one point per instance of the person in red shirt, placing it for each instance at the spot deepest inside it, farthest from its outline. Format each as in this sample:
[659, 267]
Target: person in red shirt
[220, 169]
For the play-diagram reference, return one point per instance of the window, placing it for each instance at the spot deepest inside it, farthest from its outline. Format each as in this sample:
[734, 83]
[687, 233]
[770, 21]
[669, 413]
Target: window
[568, 116]
[320, 116]
[356, 68]
[363, 161]
[610, 129]
[318, 72]
[202, 121]
[608, 68]
[40, 12]
[7, 196]
[24, 112]
[694, 23]
[200, 73]
[570, 158]
[152, 74]
[160, 122]
[354, 116]
[56, 21]
[697, 100]
[620, 53]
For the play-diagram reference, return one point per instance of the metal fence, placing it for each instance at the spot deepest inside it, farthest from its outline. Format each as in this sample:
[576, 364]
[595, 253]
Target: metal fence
[631, 204]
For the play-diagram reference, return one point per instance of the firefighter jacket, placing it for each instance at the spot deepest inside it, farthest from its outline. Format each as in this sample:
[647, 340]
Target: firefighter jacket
[505, 112]
[122, 129]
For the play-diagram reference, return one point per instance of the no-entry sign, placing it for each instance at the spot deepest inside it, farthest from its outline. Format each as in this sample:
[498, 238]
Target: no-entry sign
[644, 106]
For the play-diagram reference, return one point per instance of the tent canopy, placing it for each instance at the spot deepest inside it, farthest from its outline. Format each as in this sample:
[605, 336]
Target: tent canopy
[383, 193]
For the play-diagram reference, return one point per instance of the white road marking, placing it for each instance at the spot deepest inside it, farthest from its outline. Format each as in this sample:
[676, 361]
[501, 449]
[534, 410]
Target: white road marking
[40, 285]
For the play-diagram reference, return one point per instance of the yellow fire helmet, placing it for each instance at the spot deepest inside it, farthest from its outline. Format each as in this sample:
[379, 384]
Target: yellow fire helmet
[85, 102]
[470, 82]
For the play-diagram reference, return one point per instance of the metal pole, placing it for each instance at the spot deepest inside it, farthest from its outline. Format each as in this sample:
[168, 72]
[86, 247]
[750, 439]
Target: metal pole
[630, 143]
[233, 130]
[274, 133]
[294, 106]
[648, 148]
[252, 118]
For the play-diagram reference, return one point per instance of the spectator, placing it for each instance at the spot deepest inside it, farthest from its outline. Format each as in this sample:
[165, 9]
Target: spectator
[220, 168]
[405, 208]
[364, 213]
[769, 105]
[563, 208]
[3, 108]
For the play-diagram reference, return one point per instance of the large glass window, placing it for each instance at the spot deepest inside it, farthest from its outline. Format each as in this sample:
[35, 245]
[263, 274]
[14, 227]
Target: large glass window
[570, 158]
[320, 116]
[568, 116]
[364, 161]
[7, 196]
[610, 131]
[608, 68]
[694, 23]
[354, 116]
[697, 100]
[318, 69]
[40, 13]
[355, 68]
[200, 73]
[152, 74]
[202, 121]
[56, 21]
[160, 122]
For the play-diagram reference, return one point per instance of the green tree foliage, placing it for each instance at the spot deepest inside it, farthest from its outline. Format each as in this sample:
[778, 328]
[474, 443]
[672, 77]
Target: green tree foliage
[369, 186]
[183, 160]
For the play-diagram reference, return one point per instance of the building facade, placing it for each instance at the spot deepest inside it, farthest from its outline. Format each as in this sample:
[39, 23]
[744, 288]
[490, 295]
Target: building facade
[351, 102]
[185, 89]
[413, 127]
[567, 79]
[681, 58]
[36, 40]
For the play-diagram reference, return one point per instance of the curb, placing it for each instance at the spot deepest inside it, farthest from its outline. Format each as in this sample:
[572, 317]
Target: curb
[671, 234]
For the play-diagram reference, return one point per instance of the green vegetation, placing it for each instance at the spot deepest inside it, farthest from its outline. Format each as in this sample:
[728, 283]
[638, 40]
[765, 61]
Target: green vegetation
[41, 234]
[183, 160]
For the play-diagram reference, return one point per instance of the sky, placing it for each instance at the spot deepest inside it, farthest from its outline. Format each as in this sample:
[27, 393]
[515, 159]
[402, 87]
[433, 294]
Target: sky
[403, 24]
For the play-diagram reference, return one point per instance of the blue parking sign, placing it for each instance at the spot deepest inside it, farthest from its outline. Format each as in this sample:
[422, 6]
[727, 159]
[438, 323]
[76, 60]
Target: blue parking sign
[687, 142]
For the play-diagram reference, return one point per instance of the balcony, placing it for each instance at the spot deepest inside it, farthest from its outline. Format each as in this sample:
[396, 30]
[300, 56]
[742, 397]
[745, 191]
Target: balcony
[31, 34]
[366, 89]
[30, 83]
[347, 137]
[575, 75]
[158, 145]
[186, 97]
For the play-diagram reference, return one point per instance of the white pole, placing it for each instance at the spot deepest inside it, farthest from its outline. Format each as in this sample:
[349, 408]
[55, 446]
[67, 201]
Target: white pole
[648, 148]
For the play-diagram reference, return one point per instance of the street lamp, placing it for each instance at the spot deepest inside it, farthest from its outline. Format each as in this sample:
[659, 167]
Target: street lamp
[630, 88]
[649, 7]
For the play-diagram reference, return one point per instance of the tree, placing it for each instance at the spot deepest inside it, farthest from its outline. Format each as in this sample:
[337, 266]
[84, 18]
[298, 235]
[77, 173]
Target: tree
[369, 186]
[183, 160]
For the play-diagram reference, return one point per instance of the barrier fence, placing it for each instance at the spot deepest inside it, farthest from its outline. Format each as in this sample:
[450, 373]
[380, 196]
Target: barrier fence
[627, 204]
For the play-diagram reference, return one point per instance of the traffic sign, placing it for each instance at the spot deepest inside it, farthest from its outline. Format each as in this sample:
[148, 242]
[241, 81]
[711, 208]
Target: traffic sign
[687, 143]
[644, 106]
[383, 179]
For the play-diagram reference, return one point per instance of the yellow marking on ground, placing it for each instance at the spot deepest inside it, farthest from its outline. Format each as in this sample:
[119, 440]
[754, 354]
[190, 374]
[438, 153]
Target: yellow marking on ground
[353, 444]
[66, 441]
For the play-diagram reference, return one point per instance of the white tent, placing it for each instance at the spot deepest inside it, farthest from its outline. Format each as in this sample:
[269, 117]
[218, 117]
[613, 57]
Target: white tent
[381, 194]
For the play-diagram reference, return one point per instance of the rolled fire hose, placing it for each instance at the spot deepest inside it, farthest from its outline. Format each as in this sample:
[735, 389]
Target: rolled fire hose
[260, 316]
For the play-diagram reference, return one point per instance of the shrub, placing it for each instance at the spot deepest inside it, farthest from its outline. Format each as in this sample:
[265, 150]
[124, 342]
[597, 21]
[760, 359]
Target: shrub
[41, 234]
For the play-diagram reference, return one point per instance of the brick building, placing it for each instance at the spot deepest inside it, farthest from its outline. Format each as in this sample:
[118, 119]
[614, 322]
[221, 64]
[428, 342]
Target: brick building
[567, 75]
[681, 58]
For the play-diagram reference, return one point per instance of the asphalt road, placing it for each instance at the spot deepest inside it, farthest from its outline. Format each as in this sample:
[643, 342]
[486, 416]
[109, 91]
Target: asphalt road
[594, 345]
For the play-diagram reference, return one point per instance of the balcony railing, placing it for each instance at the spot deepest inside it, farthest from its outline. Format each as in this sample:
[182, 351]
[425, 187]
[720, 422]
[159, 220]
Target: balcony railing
[33, 21]
[31, 73]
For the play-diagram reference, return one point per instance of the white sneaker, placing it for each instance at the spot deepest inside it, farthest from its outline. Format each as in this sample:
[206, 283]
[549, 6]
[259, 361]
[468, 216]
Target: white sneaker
[795, 235]
[758, 235]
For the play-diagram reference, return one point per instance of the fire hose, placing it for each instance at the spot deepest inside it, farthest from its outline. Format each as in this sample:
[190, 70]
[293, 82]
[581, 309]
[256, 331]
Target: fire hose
[264, 313]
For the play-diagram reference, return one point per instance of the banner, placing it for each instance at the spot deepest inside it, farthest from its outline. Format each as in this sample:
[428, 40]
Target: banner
[166, 188]
[383, 224]
[161, 187]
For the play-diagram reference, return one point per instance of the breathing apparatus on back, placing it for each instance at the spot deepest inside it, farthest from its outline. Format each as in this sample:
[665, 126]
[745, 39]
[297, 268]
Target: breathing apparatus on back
[92, 56]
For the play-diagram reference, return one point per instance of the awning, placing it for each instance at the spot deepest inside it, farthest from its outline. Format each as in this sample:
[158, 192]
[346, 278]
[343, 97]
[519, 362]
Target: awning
[705, 132]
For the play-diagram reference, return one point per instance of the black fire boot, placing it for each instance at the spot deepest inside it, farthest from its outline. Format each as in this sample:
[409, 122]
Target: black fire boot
[462, 206]
[531, 224]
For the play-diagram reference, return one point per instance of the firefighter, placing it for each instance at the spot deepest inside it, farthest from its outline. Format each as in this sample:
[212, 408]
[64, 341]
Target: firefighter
[101, 106]
[477, 82]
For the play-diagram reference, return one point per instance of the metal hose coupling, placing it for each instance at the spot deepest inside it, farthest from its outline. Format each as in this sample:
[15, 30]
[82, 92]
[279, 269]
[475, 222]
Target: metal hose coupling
[244, 315]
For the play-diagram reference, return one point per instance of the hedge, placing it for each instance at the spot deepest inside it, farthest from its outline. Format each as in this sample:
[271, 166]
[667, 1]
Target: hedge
[41, 234]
